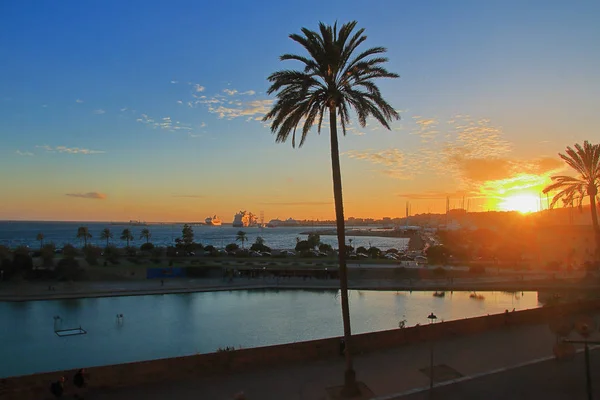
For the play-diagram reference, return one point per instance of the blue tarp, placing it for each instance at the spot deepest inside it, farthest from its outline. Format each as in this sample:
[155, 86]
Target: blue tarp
[169, 272]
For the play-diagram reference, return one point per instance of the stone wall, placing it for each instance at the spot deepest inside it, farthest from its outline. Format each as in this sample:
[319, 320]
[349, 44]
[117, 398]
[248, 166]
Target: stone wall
[131, 374]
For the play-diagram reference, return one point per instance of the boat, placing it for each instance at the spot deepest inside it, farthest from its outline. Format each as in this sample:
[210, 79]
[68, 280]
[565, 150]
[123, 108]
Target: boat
[244, 219]
[213, 221]
[477, 296]
[439, 294]
[274, 223]
[132, 222]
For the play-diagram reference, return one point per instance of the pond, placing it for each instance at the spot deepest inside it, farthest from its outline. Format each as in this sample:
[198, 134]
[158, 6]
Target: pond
[170, 325]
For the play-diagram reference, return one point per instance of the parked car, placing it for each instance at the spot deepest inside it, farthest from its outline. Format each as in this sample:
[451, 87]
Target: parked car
[362, 256]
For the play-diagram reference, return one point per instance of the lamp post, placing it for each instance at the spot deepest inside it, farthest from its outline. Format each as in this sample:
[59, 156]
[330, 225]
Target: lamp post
[432, 317]
[585, 328]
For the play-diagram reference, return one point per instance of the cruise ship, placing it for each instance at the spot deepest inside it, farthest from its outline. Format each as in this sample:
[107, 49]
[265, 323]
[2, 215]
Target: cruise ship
[213, 221]
[244, 219]
[274, 223]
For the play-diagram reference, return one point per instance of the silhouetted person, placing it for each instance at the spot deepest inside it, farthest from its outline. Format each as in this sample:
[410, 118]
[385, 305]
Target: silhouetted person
[342, 347]
[58, 388]
[162, 282]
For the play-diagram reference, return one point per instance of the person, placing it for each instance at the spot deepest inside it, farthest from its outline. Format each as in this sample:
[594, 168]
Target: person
[79, 382]
[58, 388]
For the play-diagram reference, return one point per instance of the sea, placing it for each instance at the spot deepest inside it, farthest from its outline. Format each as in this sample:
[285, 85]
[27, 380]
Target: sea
[24, 233]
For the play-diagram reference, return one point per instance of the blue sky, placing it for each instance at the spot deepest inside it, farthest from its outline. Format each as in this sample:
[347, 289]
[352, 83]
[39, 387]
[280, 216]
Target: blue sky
[150, 107]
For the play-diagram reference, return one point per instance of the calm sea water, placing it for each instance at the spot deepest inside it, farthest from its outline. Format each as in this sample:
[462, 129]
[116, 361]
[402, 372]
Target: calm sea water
[14, 234]
[160, 326]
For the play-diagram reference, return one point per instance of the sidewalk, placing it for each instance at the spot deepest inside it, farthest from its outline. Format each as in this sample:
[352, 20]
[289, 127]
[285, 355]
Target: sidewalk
[386, 373]
[62, 290]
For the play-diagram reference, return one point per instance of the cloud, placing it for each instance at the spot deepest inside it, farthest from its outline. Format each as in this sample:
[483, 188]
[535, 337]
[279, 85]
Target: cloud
[89, 195]
[199, 88]
[79, 101]
[230, 92]
[24, 153]
[174, 82]
[69, 150]
[250, 108]
[298, 203]
[189, 196]
[99, 111]
[179, 102]
[164, 123]
[388, 157]
[44, 105]
[248, 93]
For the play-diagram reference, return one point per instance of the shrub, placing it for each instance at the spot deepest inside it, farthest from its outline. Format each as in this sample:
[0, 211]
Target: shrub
[147, 247]
[91, 254]
[325, 248]
[68, 269]
[303, 245]
[260, 247]
[374, 252]
[210, 248]
[47, 254]
[111, 253]
[22, 261]
[69, 251]
[361, 249]
[232, 247]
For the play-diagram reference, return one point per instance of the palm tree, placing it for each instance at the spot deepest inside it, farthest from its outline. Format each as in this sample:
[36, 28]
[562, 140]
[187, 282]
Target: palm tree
[145, 234]
[126, 235]
[585, 160]
[40, 238]
[241, 237]
[336, 80]
[84, 233]
[106, 234]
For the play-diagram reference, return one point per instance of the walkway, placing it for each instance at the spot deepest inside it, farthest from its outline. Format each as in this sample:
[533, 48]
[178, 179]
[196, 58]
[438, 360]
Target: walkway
[386, 373]
[24, 291]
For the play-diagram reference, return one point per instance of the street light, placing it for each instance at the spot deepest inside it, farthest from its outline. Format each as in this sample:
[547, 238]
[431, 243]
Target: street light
[432, 317]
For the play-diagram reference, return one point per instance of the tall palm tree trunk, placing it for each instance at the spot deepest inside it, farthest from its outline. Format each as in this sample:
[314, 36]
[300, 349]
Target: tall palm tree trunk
[350, 386]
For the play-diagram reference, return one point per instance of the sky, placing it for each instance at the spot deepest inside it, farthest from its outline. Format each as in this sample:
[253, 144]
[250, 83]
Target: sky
[151, 110]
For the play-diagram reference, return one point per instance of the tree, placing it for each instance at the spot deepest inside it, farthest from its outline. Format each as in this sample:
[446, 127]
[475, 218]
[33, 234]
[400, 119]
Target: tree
[335, 80]
[47, 254]
[241, 237]
[69, 251]
[126, 235]
[314, 239]
[585, 160]
[145, 234]
[325, 248]
[361, 249]
[83, 233]
[437, 255]
[40, 238]
[232, 247]
[259, 240]
[187, 235]
[106, 234]
[374, 252]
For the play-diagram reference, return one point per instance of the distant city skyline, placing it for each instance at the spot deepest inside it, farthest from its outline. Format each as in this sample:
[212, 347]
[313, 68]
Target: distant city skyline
[116, 112]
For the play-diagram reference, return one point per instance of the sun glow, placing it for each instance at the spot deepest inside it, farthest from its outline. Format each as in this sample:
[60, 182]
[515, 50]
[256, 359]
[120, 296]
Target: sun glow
[523, 203]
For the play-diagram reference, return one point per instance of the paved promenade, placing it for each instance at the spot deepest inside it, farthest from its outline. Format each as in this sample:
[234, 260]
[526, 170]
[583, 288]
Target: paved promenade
[388, 374]
[11, 291]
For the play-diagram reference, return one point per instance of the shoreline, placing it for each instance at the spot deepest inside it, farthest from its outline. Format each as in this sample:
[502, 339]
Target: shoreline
[77, 291]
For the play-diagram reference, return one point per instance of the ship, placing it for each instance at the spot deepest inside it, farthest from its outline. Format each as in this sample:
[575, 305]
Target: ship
[244, 219]
[213, 221]
[274, 223]
[132, 222]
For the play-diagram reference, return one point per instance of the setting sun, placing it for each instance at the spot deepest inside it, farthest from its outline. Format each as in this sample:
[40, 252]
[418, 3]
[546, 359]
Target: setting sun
[524, 203]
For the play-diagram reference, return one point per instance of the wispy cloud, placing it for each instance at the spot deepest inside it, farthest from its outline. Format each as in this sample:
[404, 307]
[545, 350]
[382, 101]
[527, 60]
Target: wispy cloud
[199, 88]
[69, 150]
[24, 153]
[99, 111]
[164, 123]
[174, 82]
[241, 109]
[79, 101]
[89, 195]
[248, 93]
[230, 92]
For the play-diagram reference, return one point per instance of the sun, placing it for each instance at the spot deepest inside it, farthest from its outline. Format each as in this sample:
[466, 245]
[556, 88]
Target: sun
[523, 203]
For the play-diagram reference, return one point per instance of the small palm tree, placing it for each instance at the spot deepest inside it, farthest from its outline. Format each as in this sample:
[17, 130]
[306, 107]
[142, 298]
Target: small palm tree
[126, 235]
[241, 237]
[84, 233]
[40, 238]
[145, 234]
[335, 80]
[585, 160]
[106, 234]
